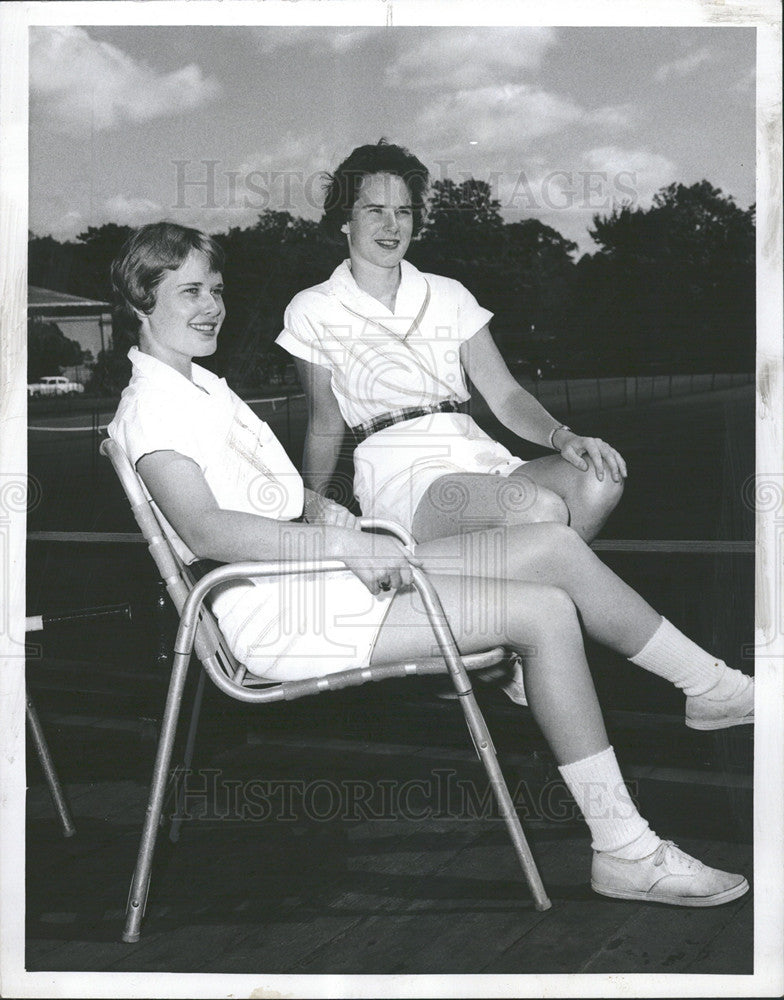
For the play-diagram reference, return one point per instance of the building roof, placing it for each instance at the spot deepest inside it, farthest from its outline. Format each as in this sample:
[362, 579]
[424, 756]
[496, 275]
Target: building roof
[44, 301]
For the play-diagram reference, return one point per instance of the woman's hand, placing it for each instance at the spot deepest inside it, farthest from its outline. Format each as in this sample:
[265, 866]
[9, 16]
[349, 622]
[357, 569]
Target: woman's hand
[320, 510]
[379, 561]
[573, 447]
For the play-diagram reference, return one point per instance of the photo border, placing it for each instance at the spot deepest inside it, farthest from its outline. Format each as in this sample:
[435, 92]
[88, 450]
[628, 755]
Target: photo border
[15, 18]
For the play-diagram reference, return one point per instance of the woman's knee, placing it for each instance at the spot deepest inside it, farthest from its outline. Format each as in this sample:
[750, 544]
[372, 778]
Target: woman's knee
[551, 537]
[549, 506]
[558, 605]
[524, 501]
[453, 504]
[600, 494]
[547, 611]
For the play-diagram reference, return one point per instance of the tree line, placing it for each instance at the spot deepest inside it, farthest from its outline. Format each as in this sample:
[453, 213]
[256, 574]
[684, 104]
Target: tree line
[670, 288]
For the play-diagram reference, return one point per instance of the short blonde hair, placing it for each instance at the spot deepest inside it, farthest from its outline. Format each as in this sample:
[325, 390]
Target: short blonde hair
[149, 252]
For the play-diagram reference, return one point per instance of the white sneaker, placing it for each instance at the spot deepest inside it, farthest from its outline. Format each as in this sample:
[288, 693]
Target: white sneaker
[705, 712]
[668, 875]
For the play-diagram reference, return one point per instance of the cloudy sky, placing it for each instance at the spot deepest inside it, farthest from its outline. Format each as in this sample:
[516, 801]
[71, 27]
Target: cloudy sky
[210, 125]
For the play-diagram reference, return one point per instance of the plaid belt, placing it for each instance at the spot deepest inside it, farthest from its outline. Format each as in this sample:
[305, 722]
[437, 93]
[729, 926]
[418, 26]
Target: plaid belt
[362, 431]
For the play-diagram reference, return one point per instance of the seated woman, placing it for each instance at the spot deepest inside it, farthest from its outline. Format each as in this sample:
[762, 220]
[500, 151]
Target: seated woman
[384, 349]
[228, 491]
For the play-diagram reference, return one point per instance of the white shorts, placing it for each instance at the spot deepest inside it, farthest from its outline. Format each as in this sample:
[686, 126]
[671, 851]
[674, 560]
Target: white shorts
[293, 627]
[394, 468]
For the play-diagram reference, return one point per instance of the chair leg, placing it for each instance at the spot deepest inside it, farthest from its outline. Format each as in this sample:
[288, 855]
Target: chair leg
[174, 831]
[480, 734]
[486, 751]
[47, 764]
[140, 882]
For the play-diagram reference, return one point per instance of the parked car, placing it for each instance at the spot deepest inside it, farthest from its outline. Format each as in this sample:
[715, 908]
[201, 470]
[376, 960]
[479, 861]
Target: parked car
[54, 385]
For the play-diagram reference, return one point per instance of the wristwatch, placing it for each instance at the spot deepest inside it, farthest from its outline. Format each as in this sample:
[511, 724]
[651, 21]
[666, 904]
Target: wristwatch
[554, 431]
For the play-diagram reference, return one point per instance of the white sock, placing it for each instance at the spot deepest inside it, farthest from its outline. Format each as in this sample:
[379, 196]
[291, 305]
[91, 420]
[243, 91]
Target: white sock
[599, 790]
[672, 655]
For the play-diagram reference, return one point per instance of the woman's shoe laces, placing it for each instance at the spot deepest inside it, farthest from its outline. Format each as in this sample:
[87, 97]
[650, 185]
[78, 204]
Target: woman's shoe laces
[662, 851]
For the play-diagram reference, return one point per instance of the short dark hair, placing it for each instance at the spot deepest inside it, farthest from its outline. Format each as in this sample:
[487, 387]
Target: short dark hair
[342, 188]
[148, 253]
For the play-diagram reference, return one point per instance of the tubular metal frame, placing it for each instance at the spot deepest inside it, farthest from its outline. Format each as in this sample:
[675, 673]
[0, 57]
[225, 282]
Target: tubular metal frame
[198, 630]
[36, 732]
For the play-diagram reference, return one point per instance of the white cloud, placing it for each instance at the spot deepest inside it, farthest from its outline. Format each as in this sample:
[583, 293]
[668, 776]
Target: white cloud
[494, 116]
[682, 67]
[468, 57]
[132, 211]
[507, 118]
[613, 116]
[273, 39]
[65, 227]
[287, 176]
[351, 38]
[633, 174]
[78, 81]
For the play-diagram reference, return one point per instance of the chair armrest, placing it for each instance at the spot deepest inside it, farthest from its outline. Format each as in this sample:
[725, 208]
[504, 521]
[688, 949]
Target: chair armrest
[236, 571]
[381, 524]
[232, 571]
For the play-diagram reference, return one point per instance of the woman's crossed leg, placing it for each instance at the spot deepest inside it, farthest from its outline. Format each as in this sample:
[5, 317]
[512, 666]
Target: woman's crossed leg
[540, 623]
[545, 489]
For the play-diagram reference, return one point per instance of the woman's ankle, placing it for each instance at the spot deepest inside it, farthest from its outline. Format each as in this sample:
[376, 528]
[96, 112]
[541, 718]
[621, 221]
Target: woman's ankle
[641, 847]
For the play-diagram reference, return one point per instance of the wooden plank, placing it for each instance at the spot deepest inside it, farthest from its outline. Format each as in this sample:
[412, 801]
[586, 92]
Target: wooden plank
[75, 956]
[580, 923]
[380, 874]
[731, 950]
[381, 859]
[310, 883]
[305, 912]
[673, 938]
[468, 906]
[376, 895]
[378, 899]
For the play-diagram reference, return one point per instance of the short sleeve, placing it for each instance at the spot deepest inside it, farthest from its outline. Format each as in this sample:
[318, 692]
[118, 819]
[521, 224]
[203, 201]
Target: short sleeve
[141, 427]
[301, 323]
[471, 317]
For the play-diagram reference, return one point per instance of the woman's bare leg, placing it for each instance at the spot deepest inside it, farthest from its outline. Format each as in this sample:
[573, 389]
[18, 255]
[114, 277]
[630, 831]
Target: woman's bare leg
[590, 501]
[550, 553]
[546, 489]
[539, 622]
[473, 501]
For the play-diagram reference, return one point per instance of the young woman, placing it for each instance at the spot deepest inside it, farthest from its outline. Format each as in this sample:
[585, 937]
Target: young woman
[228, 492]
[384, 349]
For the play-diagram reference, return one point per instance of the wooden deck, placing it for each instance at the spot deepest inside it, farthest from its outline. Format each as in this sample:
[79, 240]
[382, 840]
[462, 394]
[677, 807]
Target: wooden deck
[374, 859]
[369, 854]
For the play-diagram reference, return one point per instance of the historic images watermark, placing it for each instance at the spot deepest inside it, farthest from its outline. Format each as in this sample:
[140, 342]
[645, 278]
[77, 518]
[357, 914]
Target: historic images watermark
[478, 560]
[209, 185]
[208, 795]
[19, 494]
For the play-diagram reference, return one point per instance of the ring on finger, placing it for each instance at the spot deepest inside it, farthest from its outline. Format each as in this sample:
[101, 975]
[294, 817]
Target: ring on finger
[385, 585]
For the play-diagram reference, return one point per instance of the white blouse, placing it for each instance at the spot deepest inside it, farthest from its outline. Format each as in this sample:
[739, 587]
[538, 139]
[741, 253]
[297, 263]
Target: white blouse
[381, 360]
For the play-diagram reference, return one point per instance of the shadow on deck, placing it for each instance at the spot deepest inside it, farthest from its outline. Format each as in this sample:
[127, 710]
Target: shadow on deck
[376, 850]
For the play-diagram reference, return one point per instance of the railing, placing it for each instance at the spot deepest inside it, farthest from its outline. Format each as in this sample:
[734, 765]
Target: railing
[564, 396]
[660, 545]
[92, 417]
[575, 395]
[716, 605]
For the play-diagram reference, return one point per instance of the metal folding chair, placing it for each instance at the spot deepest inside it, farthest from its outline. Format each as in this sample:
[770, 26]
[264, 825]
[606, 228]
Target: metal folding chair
[39, 623]
[36, 731]
[198, 630]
